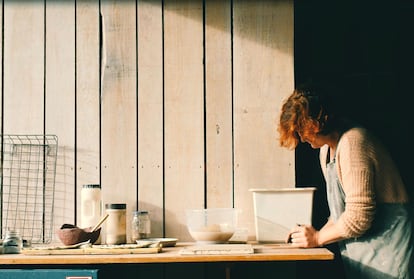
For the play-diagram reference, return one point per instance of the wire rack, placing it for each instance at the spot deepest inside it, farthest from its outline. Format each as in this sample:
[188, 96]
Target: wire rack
[28, 171]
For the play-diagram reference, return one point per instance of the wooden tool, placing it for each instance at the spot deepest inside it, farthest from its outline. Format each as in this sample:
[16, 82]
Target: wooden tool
[103, 219]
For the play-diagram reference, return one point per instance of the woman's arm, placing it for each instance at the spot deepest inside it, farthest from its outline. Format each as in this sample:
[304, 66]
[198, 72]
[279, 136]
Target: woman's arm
[356, 172]
[306, 236]
[329, 233]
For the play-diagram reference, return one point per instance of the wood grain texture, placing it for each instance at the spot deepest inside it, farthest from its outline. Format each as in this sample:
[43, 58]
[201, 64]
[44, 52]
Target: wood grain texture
[171, 255]
[118, 101]
[1, 72]
[184, 117]
[87, 96]
[150, 113]
[179, 113]
[60, 101]
[219, 104]
[23, 67]
[263, 74]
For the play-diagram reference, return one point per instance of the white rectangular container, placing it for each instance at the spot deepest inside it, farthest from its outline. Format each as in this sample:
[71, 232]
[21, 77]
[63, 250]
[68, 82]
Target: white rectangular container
[278, 210]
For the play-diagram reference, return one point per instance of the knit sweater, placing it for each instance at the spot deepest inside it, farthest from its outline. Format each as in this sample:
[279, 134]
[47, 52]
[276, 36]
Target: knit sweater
[368, 176]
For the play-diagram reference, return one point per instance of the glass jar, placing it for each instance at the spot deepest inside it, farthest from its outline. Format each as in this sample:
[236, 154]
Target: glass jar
[91, 209]
[116, 223]
[141, 225]
[91, 206]
[12, 243]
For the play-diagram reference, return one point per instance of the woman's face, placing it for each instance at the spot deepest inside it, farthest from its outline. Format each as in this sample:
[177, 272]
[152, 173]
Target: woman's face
[315, 140]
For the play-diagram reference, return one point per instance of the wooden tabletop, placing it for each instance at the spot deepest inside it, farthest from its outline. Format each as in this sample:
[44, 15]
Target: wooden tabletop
[265, 252]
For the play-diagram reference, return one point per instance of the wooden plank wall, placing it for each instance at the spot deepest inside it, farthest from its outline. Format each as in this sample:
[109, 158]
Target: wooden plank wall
[169, 105]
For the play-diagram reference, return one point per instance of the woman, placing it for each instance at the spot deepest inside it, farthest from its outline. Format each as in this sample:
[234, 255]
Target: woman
[370, 213]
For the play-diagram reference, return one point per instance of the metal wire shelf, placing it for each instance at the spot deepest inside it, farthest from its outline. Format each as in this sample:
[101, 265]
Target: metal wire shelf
[27, 181]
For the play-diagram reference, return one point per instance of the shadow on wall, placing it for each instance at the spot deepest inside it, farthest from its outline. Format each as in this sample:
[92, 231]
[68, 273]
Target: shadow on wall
[248, 18]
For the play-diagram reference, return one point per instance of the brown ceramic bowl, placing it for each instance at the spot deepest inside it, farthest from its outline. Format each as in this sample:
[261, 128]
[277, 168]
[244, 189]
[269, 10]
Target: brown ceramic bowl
[70, 234]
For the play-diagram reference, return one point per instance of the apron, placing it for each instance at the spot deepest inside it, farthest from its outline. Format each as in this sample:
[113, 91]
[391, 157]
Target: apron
[386, 250]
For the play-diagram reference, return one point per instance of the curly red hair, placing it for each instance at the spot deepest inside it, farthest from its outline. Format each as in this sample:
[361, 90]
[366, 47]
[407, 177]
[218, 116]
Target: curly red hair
[303, 113]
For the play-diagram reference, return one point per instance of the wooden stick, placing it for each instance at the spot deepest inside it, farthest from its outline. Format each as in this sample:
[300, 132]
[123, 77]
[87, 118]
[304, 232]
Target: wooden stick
[100, 222]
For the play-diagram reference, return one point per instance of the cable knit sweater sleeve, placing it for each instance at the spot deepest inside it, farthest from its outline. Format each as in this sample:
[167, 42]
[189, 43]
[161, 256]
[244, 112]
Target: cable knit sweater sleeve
[356, 171]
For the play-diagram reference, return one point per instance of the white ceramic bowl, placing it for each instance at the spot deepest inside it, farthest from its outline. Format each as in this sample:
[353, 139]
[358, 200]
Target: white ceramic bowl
[212, 225]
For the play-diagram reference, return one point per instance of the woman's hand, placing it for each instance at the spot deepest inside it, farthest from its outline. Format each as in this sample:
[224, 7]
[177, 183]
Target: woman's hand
[304, 236]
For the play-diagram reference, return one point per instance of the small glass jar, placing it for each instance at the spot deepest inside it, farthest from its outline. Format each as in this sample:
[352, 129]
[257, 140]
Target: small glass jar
[12, 243]
[116, 223]
[141, 225]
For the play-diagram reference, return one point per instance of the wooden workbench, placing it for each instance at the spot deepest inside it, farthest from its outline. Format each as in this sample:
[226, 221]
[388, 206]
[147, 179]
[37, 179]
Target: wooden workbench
[262, 253]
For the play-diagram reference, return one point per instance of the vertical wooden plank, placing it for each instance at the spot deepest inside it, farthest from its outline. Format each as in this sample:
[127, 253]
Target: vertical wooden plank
[60, 101]
[1, 69]
[118, 100]
[184, 119]
[23, 67]
[24, 92]
[219, 135]
[87, 100]
[263, 76]
[150, 113]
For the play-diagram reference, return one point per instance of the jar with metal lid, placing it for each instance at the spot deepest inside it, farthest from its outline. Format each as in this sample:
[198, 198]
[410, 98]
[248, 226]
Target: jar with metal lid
[116, 223]
[141, 225]
[91, 208]
[12, 243]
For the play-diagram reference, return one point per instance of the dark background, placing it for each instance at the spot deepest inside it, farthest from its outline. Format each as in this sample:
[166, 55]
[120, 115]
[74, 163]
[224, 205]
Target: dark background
[365, 48]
